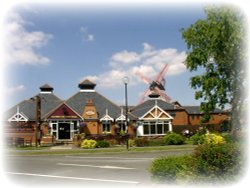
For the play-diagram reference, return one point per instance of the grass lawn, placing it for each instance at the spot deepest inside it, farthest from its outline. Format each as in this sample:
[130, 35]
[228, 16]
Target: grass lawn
[75, 151]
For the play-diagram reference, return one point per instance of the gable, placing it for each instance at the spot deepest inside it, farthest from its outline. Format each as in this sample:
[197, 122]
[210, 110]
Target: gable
[156, 113]
[63, 112]
[18, 117]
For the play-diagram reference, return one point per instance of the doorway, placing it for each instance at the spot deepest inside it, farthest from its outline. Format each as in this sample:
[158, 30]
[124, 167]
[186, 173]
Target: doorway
[63, 130]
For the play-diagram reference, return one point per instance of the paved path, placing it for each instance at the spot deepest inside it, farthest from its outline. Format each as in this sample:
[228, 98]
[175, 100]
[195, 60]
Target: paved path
[99, 169]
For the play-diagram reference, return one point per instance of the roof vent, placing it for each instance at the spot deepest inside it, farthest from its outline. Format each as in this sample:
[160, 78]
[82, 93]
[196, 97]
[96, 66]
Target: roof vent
[153, 95]
[46, 88]
[87, 86]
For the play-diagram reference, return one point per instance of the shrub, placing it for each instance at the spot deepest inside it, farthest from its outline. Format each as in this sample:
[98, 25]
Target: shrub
[198, 139]
[227, 137]
[218, 161]
[131, 143]
[88, 144]
[156, 142]
[102, 144]
[214, 139]
[173, 139]
[112, 142]
[141, 142]
[167, 168]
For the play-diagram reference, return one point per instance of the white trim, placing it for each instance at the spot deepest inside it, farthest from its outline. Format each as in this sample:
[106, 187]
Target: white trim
[71, 124]
[155, 116]
[87, 90]
[140, 129]
[46, 92]
[18, 117]
[106, 117]
[121, 118]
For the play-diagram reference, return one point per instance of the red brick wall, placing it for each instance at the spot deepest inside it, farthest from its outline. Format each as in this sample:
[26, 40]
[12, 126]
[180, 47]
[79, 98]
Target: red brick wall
[180, 118]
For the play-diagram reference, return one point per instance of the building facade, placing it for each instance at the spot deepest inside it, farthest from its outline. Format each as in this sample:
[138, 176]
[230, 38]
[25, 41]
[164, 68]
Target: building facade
[91, 113]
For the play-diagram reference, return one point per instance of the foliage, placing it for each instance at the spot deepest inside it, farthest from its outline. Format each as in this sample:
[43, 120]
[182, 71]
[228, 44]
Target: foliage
[102, 144]
[216, 44]
[209, 163]
[122, 133]
[141, 142]
[218, 161]
[173, 139]
[167, 168]
[156, 142]
[88, 144]
[131, 143]
[198, 139]
[112, 142]
[145, 141]
[214, 139]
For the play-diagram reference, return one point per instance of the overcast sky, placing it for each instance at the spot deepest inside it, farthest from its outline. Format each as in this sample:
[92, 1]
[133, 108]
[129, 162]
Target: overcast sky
[62, 45]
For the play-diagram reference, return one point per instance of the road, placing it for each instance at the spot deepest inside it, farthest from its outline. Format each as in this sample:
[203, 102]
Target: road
[106, 169]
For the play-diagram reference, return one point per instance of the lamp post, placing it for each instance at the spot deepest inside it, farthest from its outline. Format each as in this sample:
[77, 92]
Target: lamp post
[125, 81]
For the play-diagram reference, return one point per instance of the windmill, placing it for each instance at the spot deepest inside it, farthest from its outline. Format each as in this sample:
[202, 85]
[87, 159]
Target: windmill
[157, 85]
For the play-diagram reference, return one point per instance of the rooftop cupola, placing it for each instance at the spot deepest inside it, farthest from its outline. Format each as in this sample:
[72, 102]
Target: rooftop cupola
[87, 86]
[154, 95]
[46, 88]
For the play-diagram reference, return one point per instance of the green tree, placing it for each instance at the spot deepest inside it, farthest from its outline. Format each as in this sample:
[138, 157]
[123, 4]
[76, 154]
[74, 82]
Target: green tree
[217, 45]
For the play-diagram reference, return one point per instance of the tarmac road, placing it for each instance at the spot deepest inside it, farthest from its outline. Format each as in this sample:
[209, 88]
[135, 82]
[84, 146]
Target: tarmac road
[85, 170]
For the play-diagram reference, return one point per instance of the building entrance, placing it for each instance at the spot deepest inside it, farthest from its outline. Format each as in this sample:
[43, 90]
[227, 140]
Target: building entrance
[63, 130]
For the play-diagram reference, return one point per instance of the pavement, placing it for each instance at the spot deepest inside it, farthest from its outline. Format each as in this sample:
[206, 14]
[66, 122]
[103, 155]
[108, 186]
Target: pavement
[90, 170]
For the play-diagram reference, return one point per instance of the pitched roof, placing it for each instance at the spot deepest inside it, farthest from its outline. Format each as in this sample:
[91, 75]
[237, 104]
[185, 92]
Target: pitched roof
[28, 107]
[78, 101]
[143, 108]
[196, 110]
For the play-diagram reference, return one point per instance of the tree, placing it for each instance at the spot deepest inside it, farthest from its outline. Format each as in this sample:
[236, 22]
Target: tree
[217, 45]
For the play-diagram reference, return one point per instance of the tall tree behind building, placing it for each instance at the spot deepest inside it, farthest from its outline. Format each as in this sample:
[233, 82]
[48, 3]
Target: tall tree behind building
[218, 45]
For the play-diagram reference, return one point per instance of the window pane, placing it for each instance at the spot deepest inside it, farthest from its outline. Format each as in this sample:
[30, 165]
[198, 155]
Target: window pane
[166, 127]
[54, 127]
[145, 129]
[160, 128]
[152, 128]
[106, 126]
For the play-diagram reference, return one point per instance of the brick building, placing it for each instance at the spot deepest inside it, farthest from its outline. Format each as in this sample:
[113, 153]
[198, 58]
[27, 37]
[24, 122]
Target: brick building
[89, 112]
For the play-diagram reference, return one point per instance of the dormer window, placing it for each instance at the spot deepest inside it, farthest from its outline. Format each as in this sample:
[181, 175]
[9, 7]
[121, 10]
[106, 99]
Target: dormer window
[106, 122]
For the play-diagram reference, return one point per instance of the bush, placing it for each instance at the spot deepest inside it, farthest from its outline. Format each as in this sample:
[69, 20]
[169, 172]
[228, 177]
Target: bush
[198, 139]
[167, 168]
[156, 142]
[102, 144]
[218, 161]
[141, 142]
[112, 142]
[207, 139]
[173, 139]
[88, 144]
[214, 139]
[210, 163]
[131, 143]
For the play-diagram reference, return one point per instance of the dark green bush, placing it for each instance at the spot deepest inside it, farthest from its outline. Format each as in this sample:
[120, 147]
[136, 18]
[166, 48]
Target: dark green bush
[102, 144]
[218, 161]
[173, 139]
[210, 163]
[167, 168]
[141, 142]
[156, 142]
[198, 139]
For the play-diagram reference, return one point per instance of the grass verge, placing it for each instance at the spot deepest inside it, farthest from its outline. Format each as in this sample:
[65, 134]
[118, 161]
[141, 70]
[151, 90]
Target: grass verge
[78, 151]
